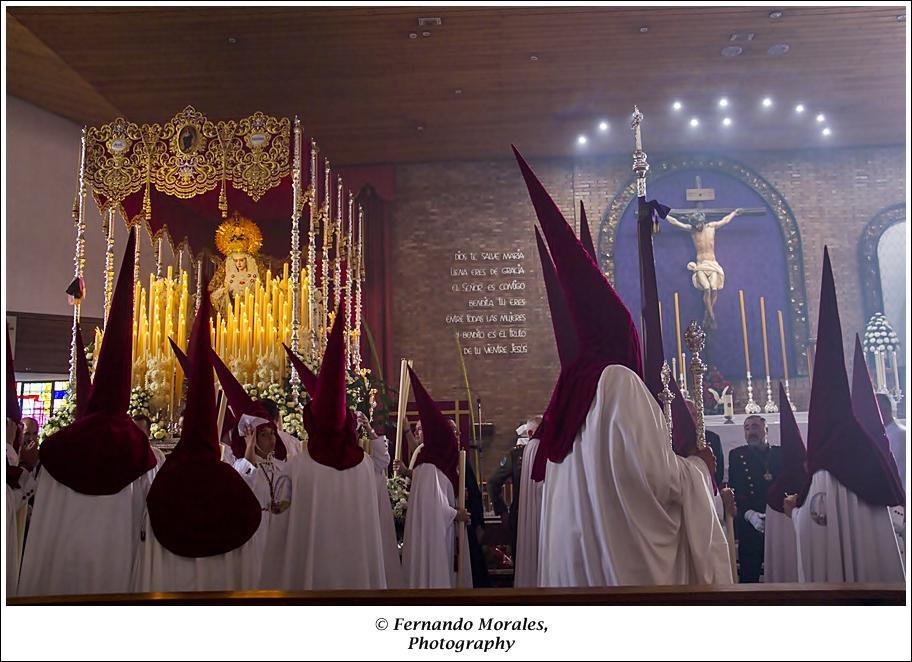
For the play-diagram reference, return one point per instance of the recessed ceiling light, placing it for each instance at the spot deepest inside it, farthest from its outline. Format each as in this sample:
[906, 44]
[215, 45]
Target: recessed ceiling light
[457, 91]
[603, 126]
[533, 58]
[413, 35]
[826, 131]
[775, 14]
[778, 49]
[644, 29]
[694, 122]
[232, 40]
[723, 102]
[821, 117]
[727, 121]
[767, 102]
[426, 33]
[732, 51]
[799, 108]
[901, 18]
[420, 127]
[582, 140]
[676, 105]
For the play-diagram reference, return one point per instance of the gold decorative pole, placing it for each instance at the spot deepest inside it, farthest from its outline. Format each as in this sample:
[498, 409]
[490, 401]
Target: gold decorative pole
[109, 260]
[359, 279]
[347, 308]
[296, 208]
[667, 396]
[312, 250]
[79, 256]
[324, 268]
[158, 257]
[695, 338]
[770, 406]
[339, 241]
[199, 285]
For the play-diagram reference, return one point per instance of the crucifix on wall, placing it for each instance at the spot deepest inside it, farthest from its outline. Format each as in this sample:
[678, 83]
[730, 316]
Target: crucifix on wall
[708, 275]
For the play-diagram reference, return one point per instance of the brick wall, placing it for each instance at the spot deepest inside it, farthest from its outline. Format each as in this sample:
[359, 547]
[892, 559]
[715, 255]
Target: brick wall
[483, 206]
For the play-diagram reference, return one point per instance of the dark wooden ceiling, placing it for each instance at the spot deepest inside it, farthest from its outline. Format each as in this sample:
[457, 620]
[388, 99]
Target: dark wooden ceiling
[364, 87]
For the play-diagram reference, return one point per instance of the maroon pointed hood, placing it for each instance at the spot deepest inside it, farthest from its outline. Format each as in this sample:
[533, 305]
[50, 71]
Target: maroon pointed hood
[684, 430]
[83, 376]
[441, 448]
[104, 451]
[331, 427]
[606, 334]
[198, 505]
[586, 235]
[241, 403]
[13, 411]
[181, 357]
[867, 413]
[564, 333]
[308, 379]
[793, 475]
[836, 441]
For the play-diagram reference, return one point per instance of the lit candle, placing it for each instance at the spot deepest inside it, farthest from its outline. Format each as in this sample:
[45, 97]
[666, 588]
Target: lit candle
[744, 332]
[766, 360]
[785, 365]
[678, 331]
[896, 373]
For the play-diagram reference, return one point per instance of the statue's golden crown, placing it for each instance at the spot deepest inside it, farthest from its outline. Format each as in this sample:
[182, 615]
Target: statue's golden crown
[238, 235]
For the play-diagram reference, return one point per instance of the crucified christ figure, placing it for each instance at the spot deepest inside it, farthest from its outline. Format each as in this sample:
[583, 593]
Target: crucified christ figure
[708, 275]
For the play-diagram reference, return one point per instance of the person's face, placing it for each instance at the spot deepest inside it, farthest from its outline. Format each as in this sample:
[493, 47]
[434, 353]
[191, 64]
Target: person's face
[29, 431]
[419, 434]
[454, 429]
[266, 439]
[142, 425]
[532, 427]
[755, 431]
[240, 263]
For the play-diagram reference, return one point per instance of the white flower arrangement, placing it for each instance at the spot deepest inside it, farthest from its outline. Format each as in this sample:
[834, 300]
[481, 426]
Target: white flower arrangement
[63, 415]
[398, 488]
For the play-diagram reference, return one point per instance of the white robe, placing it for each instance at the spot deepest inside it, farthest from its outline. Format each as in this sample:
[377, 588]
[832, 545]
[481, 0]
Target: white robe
[81, 544]
[334, 538]
[780, 549]
[16, 513]
[158, 569]
[380, 457]
[292, 444]
[622, 508]
[429, 543]
[528, 521]
[269, 481]
[855, 544]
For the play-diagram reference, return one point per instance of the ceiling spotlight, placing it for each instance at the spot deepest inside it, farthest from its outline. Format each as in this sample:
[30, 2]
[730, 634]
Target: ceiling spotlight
[826, 131]
[644, 29]
[732, 51]
[603, 126]
[775, 14]
[533, 58]
[232, 40]
[901, 18]
[420, 127]
[426, 33]
[767, 102]
[778, 49]
[582, 140]
[676, 105]
[799, 108]
[413, 35]
[457, 91]
[694, 122]
[727, 121]
[723, 102]
[821, 117]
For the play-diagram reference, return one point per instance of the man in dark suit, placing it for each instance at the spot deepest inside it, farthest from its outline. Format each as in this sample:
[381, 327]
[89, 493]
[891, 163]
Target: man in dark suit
[751, 470]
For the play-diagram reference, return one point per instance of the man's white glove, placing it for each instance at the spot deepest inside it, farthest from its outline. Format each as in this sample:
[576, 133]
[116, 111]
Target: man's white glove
[757, 520]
